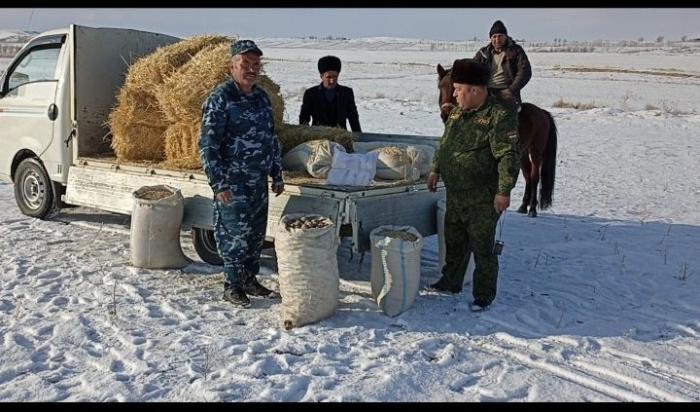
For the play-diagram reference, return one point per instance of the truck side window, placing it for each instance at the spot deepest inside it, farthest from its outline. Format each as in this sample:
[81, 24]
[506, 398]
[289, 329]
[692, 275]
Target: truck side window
[38, 65]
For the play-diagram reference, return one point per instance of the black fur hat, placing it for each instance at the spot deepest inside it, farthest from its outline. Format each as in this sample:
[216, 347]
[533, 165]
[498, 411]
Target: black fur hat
[328, 63]
[470, 71]
[498, 27]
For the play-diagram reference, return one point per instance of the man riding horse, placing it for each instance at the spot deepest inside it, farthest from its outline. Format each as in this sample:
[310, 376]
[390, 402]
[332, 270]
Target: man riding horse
[510, 67]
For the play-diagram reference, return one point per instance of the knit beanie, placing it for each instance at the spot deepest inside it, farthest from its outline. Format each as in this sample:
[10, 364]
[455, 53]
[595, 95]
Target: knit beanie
[498, 27]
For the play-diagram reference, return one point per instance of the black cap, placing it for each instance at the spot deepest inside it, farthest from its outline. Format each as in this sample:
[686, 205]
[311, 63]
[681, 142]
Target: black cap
[245, 46]
[470, 71]
[498, 27]
[328, 63]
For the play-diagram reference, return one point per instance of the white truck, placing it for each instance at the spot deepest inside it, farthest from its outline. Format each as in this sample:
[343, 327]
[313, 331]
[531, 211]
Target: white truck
[55, 96]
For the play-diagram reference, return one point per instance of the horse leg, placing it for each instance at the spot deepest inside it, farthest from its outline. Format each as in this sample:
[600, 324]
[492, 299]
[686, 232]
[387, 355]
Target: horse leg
[534, 182]
[525, 166]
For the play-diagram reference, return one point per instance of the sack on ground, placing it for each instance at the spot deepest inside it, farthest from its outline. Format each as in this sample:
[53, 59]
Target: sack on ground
[424, 156]
[395, 275]
[155, 228]
[352, 169]
[314, 157]
[306, 247]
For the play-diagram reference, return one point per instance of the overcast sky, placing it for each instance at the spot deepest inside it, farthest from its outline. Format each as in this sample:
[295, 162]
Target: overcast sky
[439, 24]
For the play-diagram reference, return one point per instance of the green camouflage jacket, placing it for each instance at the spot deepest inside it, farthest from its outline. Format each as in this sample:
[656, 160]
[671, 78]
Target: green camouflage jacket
[479, 154]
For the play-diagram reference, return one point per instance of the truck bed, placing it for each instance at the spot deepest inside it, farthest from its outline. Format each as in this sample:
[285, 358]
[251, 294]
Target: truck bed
[103, 182]
[290, 178]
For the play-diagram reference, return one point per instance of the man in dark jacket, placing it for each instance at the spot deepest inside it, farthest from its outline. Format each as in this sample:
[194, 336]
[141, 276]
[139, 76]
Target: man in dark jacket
[510, 68]
[329, 104]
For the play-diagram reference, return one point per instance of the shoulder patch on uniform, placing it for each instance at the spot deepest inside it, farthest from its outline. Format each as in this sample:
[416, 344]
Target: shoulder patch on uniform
[512, 135]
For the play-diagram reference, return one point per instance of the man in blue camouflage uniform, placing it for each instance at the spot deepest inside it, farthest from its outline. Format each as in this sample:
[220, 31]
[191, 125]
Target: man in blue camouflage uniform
[239, 150]
[478, 159]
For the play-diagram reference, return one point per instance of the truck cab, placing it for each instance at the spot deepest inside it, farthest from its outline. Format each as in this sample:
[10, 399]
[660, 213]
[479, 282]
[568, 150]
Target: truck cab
[56, 91]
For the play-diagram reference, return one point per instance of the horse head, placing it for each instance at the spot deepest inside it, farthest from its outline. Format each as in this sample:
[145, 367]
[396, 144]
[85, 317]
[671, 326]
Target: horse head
[446, 99]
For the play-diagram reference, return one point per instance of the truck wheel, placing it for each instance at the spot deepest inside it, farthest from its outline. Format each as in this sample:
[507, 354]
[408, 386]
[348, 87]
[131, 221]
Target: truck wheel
[33, 189]
[205, 245]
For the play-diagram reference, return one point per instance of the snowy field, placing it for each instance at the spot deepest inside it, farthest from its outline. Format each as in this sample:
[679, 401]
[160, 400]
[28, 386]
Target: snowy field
[597, 300]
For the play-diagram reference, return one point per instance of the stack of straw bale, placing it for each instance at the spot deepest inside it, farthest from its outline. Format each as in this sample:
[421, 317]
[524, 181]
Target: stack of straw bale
[137, 122]
[159, 109]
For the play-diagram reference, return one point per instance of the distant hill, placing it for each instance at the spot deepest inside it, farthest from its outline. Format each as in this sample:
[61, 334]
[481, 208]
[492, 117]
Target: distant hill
[16, 36]
[13, 40]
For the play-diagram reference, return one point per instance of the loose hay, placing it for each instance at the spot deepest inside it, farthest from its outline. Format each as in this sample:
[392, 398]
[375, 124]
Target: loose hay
[291, 136]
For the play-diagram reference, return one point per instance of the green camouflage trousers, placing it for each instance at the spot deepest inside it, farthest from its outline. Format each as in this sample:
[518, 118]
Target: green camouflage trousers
[471, 228]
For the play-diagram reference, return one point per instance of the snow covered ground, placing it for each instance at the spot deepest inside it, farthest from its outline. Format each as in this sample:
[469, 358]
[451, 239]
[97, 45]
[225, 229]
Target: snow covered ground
[597, 301]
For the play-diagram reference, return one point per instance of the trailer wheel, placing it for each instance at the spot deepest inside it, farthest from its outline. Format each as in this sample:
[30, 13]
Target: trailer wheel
[205, 245]
[33, 189]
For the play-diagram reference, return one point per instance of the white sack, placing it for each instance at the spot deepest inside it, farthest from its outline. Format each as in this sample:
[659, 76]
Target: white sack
[395, 275]
[308, 272]
[155, 228]
[395, 163]
[314, 157]
[424, 157]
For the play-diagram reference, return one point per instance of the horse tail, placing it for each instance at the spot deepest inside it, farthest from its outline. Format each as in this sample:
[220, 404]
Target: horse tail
[549, 163]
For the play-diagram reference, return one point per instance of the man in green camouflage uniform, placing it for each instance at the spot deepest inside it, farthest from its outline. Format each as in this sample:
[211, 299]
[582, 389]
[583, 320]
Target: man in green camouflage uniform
[478, 159]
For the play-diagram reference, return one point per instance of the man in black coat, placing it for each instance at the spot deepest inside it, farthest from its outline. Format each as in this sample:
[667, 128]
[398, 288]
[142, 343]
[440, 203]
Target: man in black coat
[329, 104]
[510, 67]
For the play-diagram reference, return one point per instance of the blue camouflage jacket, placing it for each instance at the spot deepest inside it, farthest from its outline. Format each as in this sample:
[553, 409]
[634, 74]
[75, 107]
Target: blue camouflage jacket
[238, 145]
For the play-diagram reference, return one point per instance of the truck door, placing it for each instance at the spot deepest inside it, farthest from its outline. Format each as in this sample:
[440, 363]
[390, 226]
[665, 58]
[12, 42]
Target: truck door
[27, 100]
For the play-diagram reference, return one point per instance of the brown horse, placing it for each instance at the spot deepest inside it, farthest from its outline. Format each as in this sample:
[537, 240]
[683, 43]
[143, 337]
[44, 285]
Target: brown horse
[538, 145]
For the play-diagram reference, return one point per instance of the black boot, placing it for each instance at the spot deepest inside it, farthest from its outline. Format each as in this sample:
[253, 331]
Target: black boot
[478, 306]
[254, 288]
[236, 295]
[442, 286]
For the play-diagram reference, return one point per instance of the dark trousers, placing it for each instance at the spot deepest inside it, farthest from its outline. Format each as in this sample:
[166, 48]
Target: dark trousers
[471, 230]
[240, 232]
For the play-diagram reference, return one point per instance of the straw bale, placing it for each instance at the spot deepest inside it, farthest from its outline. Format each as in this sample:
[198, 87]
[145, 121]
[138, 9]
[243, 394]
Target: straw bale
[137, 127]
[137, 122]
[182, 94]
[156, 67]
[182, 145]
[291, 135]
[181, 97]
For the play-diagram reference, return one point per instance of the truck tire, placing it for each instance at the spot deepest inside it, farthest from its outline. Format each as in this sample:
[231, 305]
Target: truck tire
[34, 191]
[205, 245]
